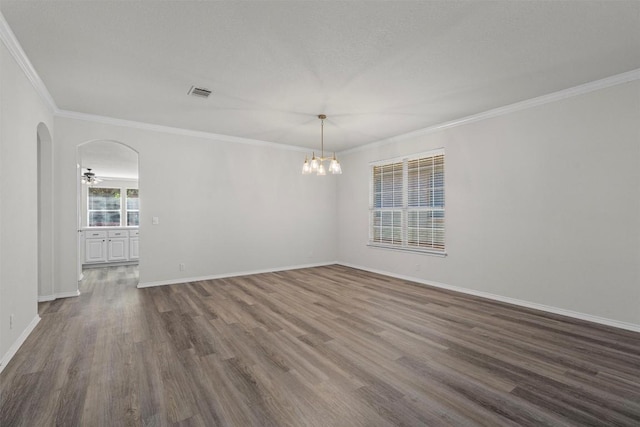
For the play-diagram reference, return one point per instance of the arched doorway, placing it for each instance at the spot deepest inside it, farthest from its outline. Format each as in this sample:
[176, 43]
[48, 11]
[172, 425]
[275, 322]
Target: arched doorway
[108, 205]
[45, 198]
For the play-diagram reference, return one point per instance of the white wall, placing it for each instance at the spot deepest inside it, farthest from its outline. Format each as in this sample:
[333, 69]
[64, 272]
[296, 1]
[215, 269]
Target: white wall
[542, 205]
[224, 207]
[45, 212]
[21, 110]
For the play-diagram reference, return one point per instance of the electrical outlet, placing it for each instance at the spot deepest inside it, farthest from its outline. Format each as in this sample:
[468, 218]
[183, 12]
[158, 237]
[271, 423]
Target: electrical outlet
[181, 266]
[11, 321]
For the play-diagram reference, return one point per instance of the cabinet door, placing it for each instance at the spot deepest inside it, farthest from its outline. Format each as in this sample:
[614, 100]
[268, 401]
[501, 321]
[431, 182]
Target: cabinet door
[95, 250]
[133, 248]
[118, 249]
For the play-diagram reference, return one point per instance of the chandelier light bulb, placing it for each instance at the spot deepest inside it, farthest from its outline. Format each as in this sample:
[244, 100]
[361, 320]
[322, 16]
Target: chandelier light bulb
[334, 167]
[306, 167]
[321, 170]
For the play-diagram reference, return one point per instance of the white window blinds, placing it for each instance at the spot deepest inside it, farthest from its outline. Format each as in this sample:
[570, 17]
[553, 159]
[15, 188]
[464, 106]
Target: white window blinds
[407, 203]
[388, 199]
[425, 210]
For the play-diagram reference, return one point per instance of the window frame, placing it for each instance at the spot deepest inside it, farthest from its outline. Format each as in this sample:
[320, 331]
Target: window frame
[404, 245]
[126, 206]
[104, 211]
[123, 211]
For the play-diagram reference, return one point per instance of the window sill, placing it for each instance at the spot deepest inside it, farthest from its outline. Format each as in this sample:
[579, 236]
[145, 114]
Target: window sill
[407, 249]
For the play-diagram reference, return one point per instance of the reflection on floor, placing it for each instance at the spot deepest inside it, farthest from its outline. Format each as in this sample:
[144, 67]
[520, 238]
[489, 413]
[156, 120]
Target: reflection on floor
[123, 275]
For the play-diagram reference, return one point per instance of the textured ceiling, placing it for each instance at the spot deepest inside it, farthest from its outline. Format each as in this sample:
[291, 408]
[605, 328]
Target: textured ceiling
[377, 69]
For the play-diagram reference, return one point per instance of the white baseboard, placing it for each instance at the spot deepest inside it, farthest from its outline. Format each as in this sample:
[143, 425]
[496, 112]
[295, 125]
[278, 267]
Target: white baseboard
[522, 303]
[16, 345]
[105, 265]
[225, 275]
[68, 294]
[43, 298]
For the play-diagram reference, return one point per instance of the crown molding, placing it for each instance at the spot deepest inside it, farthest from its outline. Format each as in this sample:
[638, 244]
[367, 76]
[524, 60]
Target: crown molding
[507, 109]
[11, 42]
[174, 130]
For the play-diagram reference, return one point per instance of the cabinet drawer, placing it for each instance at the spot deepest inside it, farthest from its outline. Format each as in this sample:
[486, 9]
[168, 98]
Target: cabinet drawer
[134, 233]
[95, 234]
[118, 233]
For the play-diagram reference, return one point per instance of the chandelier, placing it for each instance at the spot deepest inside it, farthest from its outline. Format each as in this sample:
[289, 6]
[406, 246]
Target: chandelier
[317, 163]
[89, 178]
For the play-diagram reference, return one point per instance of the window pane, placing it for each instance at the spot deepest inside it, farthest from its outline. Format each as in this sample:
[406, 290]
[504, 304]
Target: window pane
[387, 227]
[426, 229]
[387, 186]
[133, 202]
[377, 219]
[104, 218]
[387, 218]
[104, 198]
[133, 218]
[103, 207]
[426, 182]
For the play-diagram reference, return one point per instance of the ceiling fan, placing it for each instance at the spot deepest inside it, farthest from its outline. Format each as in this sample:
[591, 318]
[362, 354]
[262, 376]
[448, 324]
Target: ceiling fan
[90, 178]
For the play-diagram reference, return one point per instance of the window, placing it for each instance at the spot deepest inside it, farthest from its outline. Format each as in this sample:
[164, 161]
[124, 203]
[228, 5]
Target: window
[407, 203]
[113, 207]
[103, 207]
[133, 207]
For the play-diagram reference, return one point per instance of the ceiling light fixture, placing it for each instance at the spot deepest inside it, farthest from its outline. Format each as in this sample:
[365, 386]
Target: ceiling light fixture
[317, 163]
[89, 178]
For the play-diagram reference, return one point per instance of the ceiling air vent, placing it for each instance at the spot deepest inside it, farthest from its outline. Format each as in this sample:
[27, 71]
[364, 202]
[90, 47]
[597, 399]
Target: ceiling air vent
[199, 91]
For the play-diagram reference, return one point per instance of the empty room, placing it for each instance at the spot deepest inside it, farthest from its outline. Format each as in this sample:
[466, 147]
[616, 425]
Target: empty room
[319, 213]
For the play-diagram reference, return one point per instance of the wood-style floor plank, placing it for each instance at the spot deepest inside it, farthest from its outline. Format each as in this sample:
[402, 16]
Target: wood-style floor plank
[326, 346]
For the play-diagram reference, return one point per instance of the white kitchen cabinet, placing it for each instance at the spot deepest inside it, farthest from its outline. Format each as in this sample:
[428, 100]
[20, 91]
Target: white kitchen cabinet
[118, 246]
[106, 246]
[118, 249]
[95, 246]
[134, 247]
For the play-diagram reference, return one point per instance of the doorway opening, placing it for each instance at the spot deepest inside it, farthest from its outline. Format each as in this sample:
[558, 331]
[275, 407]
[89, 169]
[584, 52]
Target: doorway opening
[108, 209]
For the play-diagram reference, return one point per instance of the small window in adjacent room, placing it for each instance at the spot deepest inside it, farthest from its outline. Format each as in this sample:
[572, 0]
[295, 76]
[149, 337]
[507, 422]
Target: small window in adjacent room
[103, 207]
[133, 207]
[407, 203]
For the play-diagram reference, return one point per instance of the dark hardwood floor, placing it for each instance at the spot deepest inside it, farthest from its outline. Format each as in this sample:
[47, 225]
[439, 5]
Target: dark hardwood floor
[327, 346]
